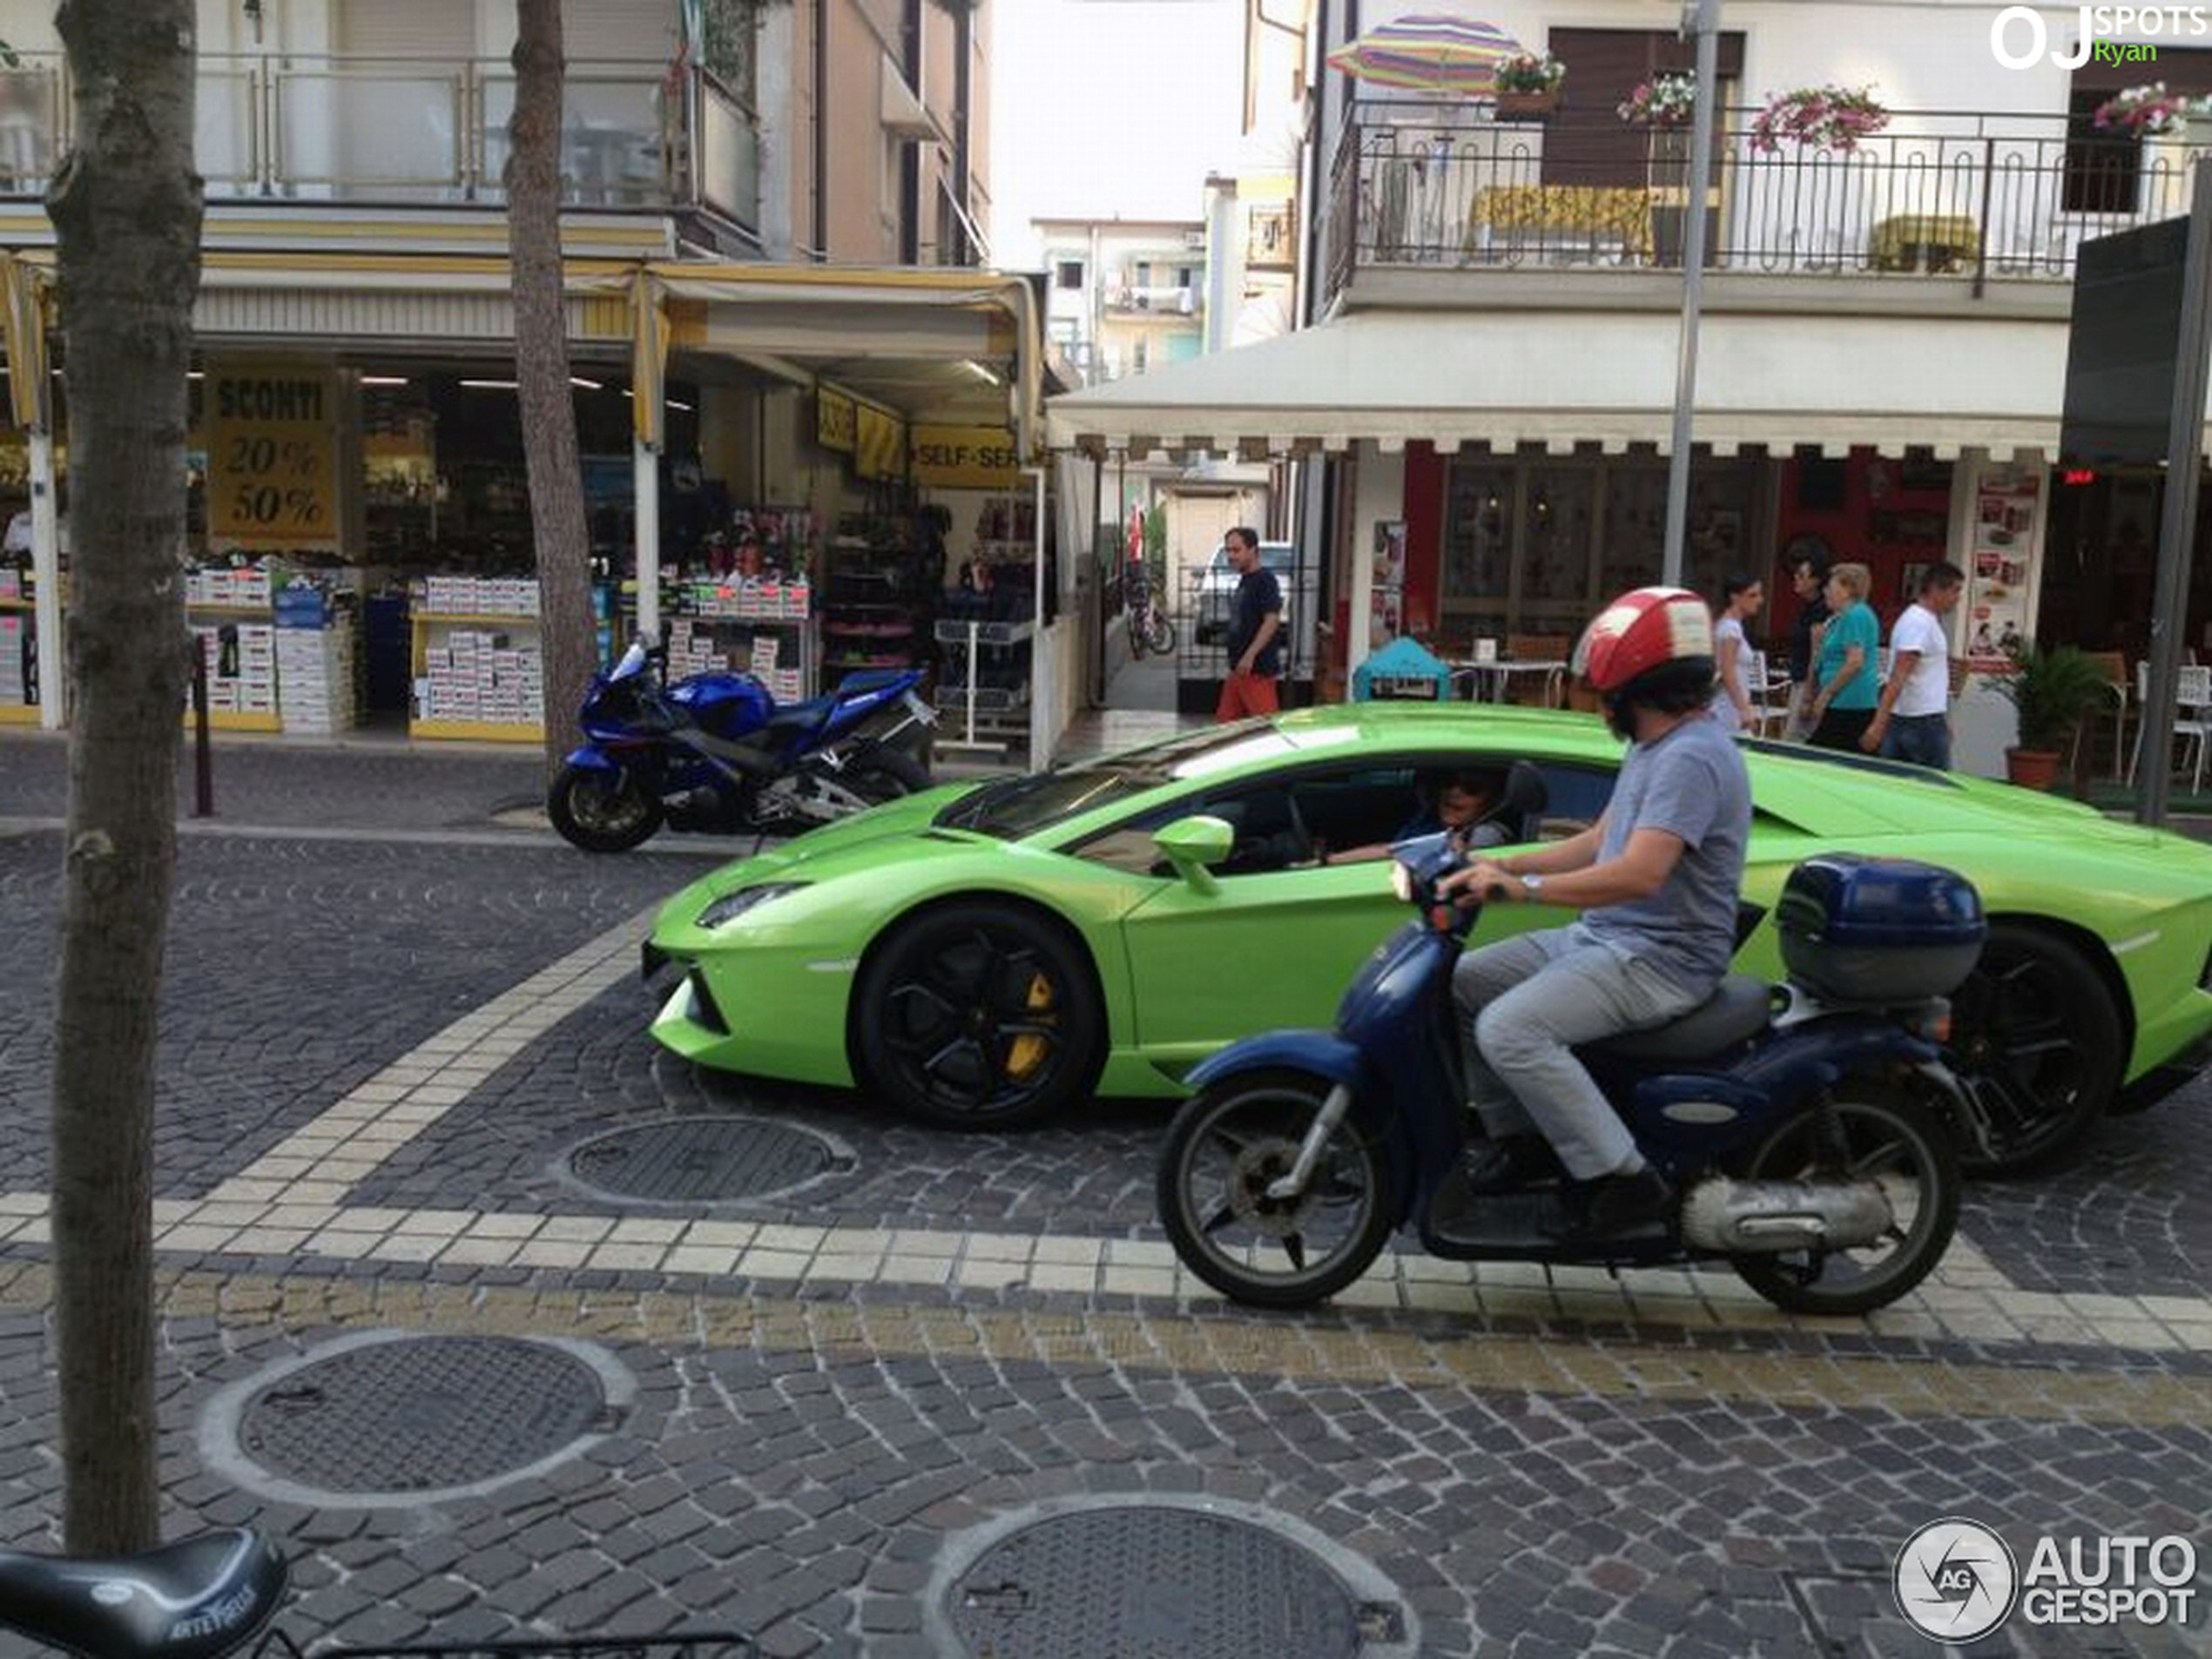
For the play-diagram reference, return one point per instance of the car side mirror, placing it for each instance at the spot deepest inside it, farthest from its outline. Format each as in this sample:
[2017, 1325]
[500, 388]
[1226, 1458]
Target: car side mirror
[1191, 844]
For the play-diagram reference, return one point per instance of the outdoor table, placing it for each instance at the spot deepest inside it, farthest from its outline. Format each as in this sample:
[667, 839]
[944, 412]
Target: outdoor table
[1487, 682]
[1935, 242]
[1590, 210]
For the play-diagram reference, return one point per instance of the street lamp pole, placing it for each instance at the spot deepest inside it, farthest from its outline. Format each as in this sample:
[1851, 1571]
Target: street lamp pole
[1700, 19]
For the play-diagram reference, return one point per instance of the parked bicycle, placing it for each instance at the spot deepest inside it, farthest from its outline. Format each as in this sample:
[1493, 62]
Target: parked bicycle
[1150, 628]
[211, 1595]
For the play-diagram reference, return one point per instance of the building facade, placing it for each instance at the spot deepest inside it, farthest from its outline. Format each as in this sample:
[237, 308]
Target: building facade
[779, 321]
[1489, 375]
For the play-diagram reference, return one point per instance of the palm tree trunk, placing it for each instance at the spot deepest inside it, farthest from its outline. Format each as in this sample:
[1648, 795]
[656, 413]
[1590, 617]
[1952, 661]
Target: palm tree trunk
[557, 525]
[126, 211]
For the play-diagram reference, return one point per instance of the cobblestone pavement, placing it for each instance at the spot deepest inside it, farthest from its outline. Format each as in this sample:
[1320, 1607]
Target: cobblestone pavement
[379, 1052]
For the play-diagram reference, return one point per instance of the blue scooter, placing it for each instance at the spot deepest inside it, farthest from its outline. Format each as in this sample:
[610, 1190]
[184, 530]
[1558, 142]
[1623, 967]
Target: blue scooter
[714, 753]
[1807, 1128]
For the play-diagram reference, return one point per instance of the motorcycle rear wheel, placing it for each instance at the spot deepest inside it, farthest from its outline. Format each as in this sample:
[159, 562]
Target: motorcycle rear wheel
[1880, 1133]
[1159, 634]
[885, 774]
[602, 812]
[1225, 1146]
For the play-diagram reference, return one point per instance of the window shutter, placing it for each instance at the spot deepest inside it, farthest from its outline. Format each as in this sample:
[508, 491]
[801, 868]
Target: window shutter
[1587, 142]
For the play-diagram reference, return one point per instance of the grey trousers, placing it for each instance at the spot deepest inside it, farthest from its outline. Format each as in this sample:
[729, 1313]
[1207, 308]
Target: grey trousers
[1530, 999]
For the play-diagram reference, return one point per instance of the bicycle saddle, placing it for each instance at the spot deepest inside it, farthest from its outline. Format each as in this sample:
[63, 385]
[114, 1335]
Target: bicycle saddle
[197, 1598]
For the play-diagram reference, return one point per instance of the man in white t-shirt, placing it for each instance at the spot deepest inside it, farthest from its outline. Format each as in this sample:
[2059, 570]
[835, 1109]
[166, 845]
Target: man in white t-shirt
[1913, 721]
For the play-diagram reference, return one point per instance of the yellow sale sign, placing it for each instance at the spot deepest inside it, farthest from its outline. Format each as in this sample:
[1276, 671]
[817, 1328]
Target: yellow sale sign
[966, 457]
[273, 453]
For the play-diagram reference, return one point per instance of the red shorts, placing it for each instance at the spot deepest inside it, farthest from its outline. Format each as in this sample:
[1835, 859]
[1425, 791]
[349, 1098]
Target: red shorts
[1243, 694]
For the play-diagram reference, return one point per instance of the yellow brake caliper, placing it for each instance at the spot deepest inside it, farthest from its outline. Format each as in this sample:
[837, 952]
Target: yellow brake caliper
[1029, 1052]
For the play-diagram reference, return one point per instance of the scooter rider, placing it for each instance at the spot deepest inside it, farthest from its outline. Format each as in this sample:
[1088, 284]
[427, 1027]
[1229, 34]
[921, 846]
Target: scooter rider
[1656, 879]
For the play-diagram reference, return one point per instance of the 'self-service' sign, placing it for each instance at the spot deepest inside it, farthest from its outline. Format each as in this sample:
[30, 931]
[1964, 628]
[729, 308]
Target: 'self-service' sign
[966, 457]
[273, 453]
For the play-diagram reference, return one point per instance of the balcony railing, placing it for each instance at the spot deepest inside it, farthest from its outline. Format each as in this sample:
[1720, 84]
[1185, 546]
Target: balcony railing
[412, 131]
[1976, 196]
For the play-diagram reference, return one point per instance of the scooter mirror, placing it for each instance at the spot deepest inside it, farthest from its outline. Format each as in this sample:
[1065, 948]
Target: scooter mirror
[1191, 844]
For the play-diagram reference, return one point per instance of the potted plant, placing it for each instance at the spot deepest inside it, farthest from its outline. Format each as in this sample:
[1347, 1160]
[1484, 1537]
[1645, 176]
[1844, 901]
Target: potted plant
[1820, 118]
[1527, 86]
[2054, 692]
[1662, 101]
[2145, 111]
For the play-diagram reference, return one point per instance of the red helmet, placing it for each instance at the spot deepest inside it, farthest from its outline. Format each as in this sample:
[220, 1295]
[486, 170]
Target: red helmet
[1643, 630]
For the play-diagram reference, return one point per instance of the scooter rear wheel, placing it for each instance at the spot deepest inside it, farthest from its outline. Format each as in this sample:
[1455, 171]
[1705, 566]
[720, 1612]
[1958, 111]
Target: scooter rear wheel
[1223, 1150]
[1878, 1134]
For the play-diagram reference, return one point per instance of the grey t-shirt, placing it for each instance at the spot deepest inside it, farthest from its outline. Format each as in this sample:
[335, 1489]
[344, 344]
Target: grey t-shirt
[1691, 784]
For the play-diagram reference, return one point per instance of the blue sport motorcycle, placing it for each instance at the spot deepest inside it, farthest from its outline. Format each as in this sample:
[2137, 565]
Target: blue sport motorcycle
[715, 754]
[1807, 1128]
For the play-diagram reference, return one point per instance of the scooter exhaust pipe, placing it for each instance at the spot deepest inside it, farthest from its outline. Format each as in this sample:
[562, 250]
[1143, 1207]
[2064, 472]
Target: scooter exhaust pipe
[1752, 1217]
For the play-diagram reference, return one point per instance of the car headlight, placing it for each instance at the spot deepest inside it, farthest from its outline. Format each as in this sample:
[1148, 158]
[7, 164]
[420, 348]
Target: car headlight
[731, 906]
[1401, 882]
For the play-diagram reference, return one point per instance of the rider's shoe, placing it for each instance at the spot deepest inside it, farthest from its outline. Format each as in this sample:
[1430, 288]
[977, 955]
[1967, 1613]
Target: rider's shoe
[1511, 1164]
[1612, 1207]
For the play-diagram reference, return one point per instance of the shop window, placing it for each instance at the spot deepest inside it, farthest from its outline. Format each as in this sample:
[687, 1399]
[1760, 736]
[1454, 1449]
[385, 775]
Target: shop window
[1479, 521]
[1558, 507]
[1069, 273]
[1140, 356]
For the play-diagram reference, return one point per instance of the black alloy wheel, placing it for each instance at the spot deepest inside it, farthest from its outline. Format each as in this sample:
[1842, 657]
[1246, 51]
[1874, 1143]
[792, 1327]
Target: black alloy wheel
[979, 1016]
[2037, 1041]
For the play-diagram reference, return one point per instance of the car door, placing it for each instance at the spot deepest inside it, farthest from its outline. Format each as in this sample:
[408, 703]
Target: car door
[1273, 943]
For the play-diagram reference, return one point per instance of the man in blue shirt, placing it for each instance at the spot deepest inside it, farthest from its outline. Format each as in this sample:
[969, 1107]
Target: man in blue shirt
[1255, 631]
[1655, 879]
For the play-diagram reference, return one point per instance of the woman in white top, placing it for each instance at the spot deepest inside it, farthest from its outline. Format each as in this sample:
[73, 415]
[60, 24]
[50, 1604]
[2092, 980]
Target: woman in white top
[1741, 598]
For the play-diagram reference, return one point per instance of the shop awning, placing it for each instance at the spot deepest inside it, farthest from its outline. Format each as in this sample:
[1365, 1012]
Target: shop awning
[1455, 378]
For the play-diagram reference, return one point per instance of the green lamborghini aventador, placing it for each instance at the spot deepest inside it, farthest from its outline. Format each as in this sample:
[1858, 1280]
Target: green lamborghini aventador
[988, 954]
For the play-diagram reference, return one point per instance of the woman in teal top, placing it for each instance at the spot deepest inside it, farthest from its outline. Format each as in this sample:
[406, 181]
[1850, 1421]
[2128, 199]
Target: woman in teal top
[1844, 671]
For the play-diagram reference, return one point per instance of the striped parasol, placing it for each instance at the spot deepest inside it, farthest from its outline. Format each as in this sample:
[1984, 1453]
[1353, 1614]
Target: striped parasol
[1428, 53]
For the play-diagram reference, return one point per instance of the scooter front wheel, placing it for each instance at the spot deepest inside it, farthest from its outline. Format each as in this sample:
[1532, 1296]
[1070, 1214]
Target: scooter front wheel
[1224, 1151]
[1869, 1133]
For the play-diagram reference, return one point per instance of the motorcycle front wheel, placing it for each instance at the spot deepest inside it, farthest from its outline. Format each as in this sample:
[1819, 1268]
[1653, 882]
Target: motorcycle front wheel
[1159, 634]
[1224, 1148]
[1868, 1133]
[602, 812]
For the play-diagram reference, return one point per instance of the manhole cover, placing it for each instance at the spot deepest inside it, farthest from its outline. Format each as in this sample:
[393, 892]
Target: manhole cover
[703, 1160]
[422, 1413]
[1146, 1580]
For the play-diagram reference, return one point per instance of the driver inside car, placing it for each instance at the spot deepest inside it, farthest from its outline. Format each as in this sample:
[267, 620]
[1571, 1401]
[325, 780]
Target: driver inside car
[1461, 800]
[1655, 879]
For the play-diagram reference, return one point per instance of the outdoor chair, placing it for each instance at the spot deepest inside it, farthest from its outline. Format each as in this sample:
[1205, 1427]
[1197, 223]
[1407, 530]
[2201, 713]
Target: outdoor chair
[2192, 717]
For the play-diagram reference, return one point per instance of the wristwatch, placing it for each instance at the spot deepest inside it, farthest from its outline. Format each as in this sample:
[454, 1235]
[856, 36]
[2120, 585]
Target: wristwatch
[1531, 885]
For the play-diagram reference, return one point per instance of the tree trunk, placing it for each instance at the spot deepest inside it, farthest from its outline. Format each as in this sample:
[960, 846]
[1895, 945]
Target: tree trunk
[126, 208]
[557, 526]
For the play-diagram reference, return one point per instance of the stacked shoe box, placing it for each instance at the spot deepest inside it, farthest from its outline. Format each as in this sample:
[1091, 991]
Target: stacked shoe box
[18, 677]
[315, 678]
[241, 667]
[476, 675]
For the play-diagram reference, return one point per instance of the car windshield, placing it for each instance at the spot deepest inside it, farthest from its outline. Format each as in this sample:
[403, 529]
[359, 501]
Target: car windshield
[1014, 807]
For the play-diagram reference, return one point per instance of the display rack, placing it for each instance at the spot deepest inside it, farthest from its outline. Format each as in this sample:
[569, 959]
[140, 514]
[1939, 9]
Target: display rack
[19, 660]
[763, 626]
[876, 607]
[477, 660]
[232, 613]
[985, 681]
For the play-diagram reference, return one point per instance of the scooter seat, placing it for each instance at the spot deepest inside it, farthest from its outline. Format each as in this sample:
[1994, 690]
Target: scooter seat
[193, 1599]
[1736, 1010]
